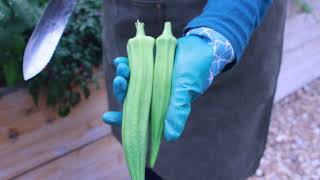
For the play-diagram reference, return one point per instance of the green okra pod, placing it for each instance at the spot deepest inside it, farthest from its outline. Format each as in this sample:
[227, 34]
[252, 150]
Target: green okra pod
[136, 108]
[162, 77]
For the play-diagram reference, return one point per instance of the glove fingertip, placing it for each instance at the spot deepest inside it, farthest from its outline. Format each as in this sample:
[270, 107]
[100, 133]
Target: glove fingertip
[123, 70]
[170, 133]
[119, 60]
[177, 116]
[120, 86]
[112, 118]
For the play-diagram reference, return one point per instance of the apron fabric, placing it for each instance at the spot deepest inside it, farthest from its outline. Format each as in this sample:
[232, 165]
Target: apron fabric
[226, 133]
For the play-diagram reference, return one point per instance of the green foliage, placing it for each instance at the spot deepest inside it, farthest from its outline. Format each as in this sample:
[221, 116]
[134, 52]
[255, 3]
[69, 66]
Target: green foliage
[5, 13]
[11, 49]
[78, 53]
[17, 17]
[305, 6]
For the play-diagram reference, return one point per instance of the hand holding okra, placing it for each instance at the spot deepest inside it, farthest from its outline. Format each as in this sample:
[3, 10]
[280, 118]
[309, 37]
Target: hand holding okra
[164, 84]
[190, 78]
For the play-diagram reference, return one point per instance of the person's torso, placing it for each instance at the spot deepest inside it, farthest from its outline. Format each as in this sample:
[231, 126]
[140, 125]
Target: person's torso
[225, 135]
[120, 15]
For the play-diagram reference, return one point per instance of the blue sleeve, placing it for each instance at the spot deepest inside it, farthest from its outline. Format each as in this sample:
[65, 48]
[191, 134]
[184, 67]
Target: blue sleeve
[234, 19]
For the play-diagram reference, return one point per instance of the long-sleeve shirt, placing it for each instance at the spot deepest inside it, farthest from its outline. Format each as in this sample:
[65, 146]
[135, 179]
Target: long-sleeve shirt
[234, 19]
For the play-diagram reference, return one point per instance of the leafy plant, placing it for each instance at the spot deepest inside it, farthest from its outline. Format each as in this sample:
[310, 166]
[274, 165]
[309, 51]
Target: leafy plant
[77, 55]
[17, 18]
[305, 6]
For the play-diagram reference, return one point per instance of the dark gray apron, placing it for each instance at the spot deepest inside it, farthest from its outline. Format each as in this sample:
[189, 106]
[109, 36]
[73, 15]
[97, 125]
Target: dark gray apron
[226, 134]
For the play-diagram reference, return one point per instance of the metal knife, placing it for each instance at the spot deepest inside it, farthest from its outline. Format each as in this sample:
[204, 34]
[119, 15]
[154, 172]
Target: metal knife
[46, 36]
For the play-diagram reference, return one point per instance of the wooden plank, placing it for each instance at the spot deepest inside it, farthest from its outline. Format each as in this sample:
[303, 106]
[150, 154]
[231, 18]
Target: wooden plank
[299, 67]
[100, 160]
[300, 53]
[18, 116]
[39, 135]
[300, 30]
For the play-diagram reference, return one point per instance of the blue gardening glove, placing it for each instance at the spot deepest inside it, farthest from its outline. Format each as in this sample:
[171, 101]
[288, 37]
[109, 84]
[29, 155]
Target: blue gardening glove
[119, 86]
[198, 59]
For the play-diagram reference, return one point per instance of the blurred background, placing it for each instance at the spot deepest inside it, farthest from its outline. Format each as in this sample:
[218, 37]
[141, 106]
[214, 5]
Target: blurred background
[50, 126]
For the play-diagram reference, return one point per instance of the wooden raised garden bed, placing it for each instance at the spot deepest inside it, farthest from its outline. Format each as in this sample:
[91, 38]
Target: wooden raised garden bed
[31, 136]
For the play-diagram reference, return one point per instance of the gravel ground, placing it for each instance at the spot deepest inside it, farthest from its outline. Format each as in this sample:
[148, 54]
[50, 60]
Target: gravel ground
[293, 148]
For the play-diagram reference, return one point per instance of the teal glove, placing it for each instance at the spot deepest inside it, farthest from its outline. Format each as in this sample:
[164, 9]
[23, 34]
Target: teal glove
[194, 67]
[120, 86]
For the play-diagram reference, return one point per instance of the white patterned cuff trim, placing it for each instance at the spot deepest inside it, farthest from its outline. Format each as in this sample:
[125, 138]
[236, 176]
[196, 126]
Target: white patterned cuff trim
[223, 52]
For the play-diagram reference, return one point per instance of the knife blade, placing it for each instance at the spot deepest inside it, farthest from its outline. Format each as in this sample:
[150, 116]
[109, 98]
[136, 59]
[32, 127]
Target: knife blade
[46, 36]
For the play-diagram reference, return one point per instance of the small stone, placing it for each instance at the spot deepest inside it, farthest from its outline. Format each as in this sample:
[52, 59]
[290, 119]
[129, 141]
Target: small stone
[259, 172]
[318, 173]
[281, 137]
[300, 159]
[305, 116]
[315, 176]
[304, 178]
[315, 163]
[293, 158]
[316, 130]
[299, 142]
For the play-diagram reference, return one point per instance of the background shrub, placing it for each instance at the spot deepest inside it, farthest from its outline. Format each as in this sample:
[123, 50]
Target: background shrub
[75, 59]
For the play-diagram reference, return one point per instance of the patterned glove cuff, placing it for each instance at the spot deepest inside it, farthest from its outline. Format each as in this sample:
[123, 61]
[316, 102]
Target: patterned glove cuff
[223, 52]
